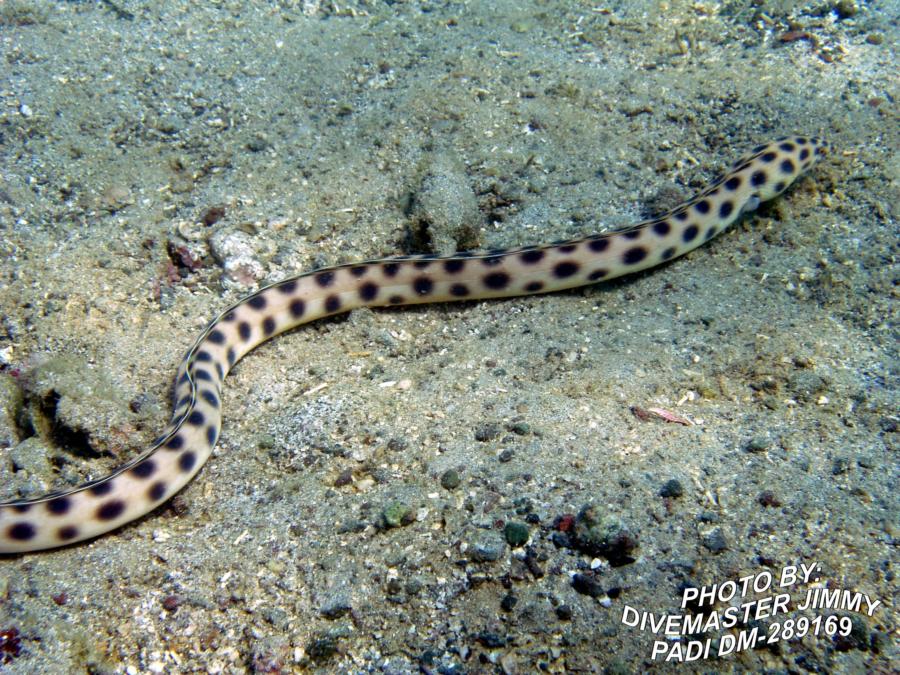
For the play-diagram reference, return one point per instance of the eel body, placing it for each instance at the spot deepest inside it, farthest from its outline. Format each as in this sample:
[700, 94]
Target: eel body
[179, 452]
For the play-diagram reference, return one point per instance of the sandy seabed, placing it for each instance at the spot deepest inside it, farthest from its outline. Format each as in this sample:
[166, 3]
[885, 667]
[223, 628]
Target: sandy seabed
[411, 490]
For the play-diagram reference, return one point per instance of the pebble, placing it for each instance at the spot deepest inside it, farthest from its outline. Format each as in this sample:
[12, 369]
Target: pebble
[336, 608]
[240, 257]
[344, 478]
[488, 547]
[807, 386]
[509, 664]
[89, 407]
[394, 588]
[276, 616]
[396, 514]
[768, 498]
[488, 432]
[757, 444]
[715, 541]
[516, 533]
[170, 603]
[322, 648]
[397, 444]
[561, 540]
[846, 8]
[520, 428]
[671, 488]
[115, 196]
[450, 479]
[604, 535]
[414, 586]
[586, 584]
[490, 639]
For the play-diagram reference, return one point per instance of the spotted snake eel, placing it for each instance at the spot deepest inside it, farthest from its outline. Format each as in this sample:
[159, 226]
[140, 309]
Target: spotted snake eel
[144, 483]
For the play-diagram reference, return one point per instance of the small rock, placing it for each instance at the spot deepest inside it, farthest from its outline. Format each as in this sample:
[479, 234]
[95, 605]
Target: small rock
[671, 488]
[715, 541]
[768, 498]
[757, 444]
[450, 480]
[488, 432]
[394, 591]
[322, 648]
[169, 124]
[336, 608]
[509, 664]
[397, 444]
[807, 386]
[520, 428]
[344, 478]
[488, 548]
[115, 196]
[396, 514]
[846, 8]
[76, 406]
[516, 534]
[561, 540]
[604, 535]
[171, 602]
[268, 655]
[243, 258]
[586, 584]
[490, 640]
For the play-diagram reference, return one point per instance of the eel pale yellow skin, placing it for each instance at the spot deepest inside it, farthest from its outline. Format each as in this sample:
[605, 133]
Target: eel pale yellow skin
[141, 485]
